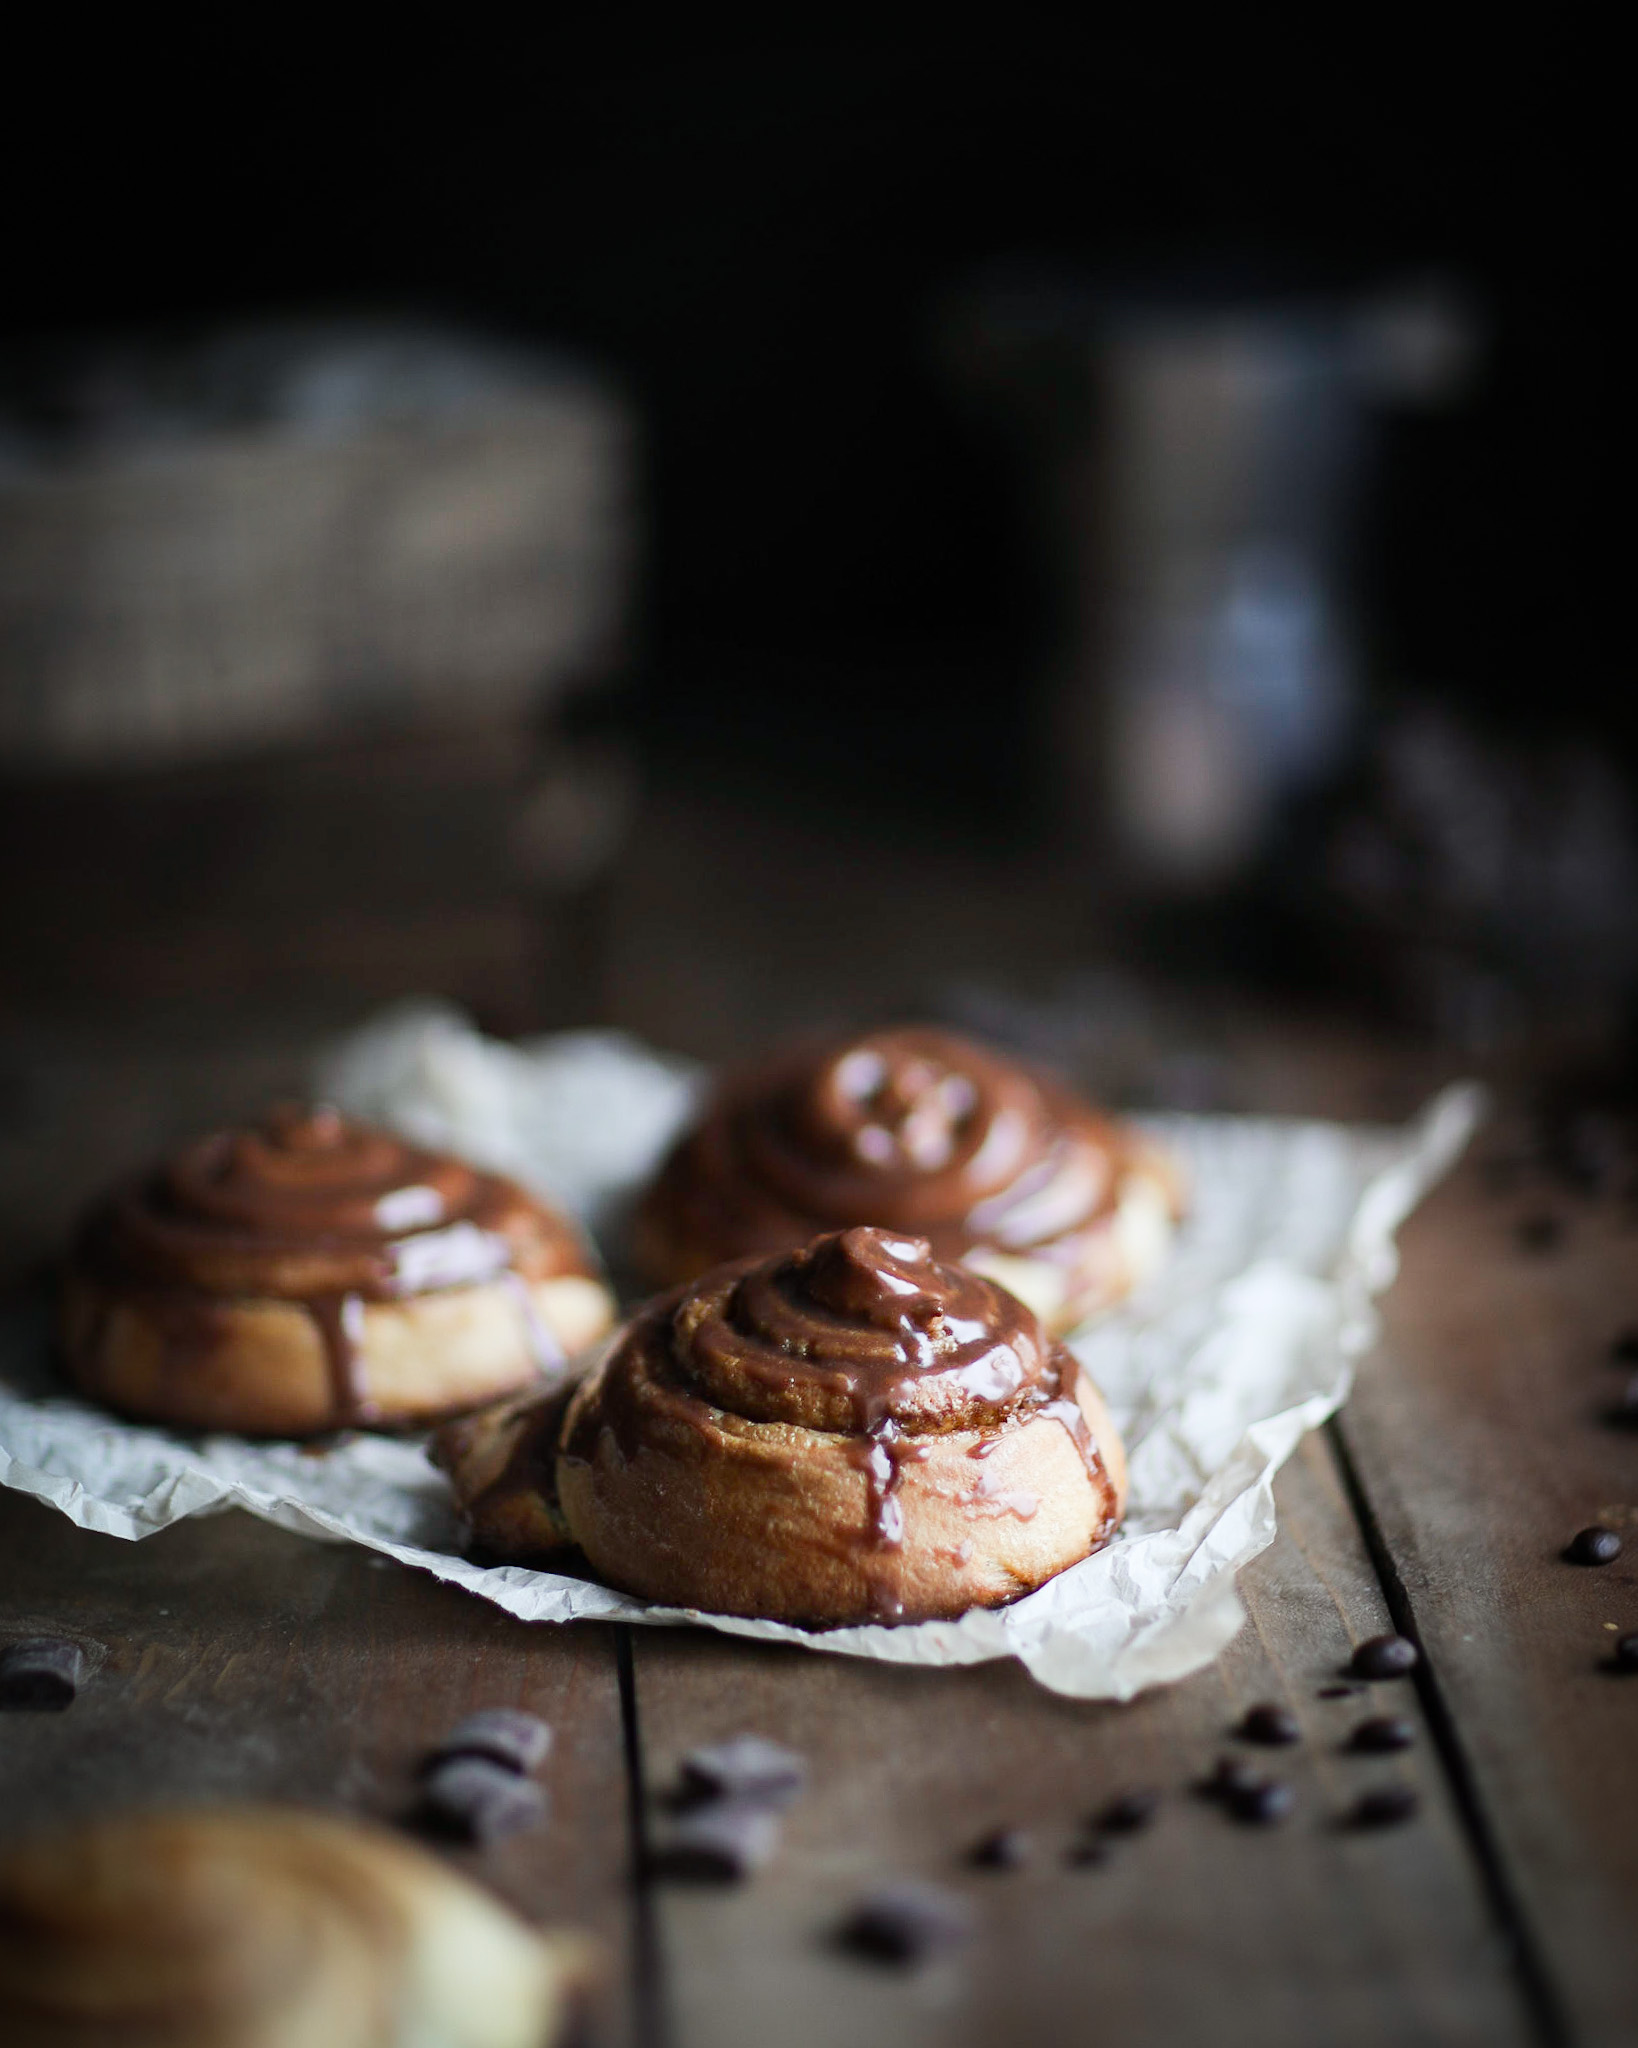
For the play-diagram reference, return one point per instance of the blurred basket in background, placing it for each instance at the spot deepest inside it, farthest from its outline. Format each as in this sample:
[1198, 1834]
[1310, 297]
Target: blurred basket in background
[287, 532]
[286, 620]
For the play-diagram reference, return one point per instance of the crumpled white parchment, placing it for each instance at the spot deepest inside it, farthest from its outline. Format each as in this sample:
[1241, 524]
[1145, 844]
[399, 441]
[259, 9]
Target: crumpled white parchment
[1247, 1339]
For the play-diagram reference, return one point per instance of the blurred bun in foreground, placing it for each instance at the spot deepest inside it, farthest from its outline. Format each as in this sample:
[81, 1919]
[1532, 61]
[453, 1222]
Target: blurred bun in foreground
[262, 1927]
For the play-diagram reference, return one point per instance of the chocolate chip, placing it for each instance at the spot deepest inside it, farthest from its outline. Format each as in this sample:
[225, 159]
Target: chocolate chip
[41, 1673]
[1085, 1851]
[721, 1842]
[1624, 1348]
[1264, 1803]
[745, 1767]
[1386, 1807]
[1274, 1725]
[504, 1735]
[1232, 1777]
[1593, 1546]
[1129, 1814]
[1337, 1692]
[1004, 1849]
[1384, 1657]
[479, 1801]
[907, 1922]
[1540, 1233]
[1625, 1654]
[1385, 1732]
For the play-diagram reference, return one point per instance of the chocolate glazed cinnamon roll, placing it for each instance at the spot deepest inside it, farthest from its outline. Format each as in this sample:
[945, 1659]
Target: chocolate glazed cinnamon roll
[851, 1432]
[312, 1274]
[924, 1132]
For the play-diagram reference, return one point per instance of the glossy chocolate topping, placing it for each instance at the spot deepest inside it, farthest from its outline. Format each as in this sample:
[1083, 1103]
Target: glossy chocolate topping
[860, 1328]
[916, 1130]
[312, 1208]
[862, 1334]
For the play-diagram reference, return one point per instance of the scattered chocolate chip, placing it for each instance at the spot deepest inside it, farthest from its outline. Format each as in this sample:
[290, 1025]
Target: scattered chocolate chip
[1387, 1731]
[1264, 1803]
[41, 1673]
[1539, 1233]
[907, 1922]
[1085, 1851]
[746, 1767]
[1625, 1654]
[1386, 1807]
[1624, 1348]
[504, 1735]
[722, 1841]
[1004, 1849]
[1384, 1657]
[1274, 1725]
[1593, 1546]
[1338, 1692]
[1232, 1777]
[479, 1801]
[1128, 1814]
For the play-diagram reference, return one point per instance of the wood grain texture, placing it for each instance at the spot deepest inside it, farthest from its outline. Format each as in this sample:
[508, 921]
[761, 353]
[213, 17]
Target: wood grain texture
[1480, 1437]
[234, 1661]
[1198, 1929]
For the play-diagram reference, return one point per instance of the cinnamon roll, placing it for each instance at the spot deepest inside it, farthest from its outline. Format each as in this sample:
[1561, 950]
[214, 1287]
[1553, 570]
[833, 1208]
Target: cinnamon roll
[850, 1432]
[266, 1928]
[922, 1132]
[311, 1274]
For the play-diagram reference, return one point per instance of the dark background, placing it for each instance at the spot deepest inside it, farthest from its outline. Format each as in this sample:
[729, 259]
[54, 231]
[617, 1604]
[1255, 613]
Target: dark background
[757, 236]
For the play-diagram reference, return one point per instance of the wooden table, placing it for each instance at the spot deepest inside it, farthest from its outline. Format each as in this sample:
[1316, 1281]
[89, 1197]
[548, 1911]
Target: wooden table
[232, 1659]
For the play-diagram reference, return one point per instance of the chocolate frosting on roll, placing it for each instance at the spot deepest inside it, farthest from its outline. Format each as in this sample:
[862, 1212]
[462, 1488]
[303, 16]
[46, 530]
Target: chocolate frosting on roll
[863, 1334]
[310, 1207]
[915, 1129]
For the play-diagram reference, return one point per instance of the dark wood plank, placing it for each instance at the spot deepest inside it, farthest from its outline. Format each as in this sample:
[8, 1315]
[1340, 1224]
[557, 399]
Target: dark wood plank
[733, 922]
[234, 1661]
[1481, 1445]
[334, 876]
[1198, 1930]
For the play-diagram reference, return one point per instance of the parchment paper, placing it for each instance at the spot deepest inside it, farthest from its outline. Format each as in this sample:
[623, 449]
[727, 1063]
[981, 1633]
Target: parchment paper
[1246, 1340]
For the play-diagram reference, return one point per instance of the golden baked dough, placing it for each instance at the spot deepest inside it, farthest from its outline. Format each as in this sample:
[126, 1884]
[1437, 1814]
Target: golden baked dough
[919, 1131]
[265, 1927]
[851, 1432]
[311, 1274]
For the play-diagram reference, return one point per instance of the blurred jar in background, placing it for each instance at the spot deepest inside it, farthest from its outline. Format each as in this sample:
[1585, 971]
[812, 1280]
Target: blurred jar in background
[1208, 476]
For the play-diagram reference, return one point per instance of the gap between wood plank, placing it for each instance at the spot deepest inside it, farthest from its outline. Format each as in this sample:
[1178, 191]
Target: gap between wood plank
[1536, 1987]
[649, 2018]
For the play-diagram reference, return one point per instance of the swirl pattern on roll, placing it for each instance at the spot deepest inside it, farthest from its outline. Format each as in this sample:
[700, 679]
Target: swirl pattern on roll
[917, 1130]
[309, 1208]
[862, 1335]
[308, 1203]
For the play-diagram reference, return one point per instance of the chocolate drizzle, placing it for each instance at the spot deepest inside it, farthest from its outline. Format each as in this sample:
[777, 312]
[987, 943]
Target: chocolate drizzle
[311, 1208]
[339, 1319]
[882, 1454]
[915, 1130]
[863, 1335]
[546, 1353]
